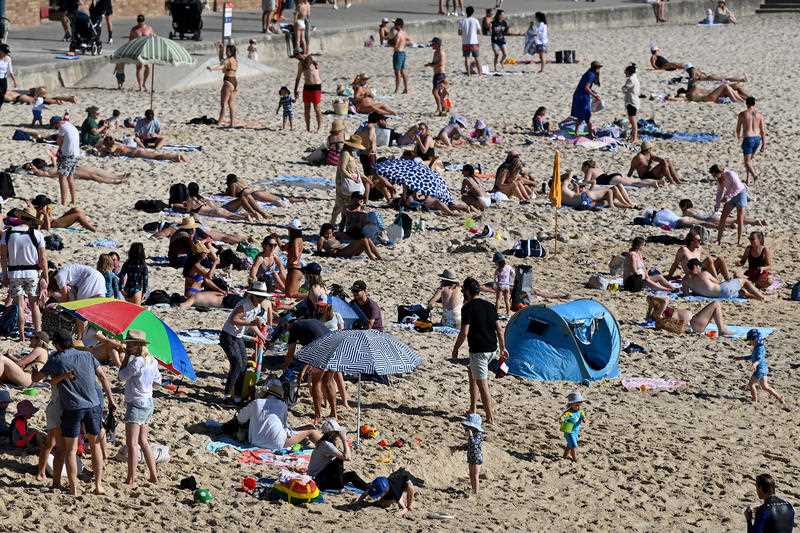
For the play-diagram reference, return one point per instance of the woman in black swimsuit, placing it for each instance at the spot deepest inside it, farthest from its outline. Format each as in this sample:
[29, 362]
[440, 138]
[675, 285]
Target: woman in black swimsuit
[759, 261]
[592, 177]
[659, 62]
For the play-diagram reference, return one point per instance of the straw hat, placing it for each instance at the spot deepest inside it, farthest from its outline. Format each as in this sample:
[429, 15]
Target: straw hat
[258, 288]
[137, 337]
[360, 78]
[448, 276]
[646, 146]
[337, 125]
[199, 247]
[355, 142]
[189, 223]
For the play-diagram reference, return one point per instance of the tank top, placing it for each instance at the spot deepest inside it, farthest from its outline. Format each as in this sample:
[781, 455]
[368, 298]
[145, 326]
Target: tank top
[250, 313]
[758, 261]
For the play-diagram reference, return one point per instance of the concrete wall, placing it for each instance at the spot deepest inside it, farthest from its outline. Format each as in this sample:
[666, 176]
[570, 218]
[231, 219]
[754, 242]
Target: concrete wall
[23, 12]
[273, 47]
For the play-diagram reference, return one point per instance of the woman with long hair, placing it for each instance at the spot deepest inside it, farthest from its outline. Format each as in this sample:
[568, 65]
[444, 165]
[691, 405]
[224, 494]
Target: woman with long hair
[230, 85]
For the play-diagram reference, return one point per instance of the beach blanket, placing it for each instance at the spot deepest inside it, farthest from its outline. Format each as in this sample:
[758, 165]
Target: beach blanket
[182, 148]
[650, 129]
[697, 298]
[737, 332]
[444, 330]
[67, 58]
[221, 199]
[104, 243]
[644, 384]
[299, 181]
[159, 260]
[297, 461]
[224, 441]
[199, 336]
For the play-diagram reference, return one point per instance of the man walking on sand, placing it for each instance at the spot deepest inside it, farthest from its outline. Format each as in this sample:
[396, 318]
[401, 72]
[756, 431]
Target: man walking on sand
[750, 129]
[142, 29]
[308, 69]
[399, 56]
[483, 333]
[438, 63]
[470, 29]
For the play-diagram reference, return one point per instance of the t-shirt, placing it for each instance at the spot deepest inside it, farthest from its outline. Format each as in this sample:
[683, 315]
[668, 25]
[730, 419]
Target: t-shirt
[38, 104]
[306, 331]
[81, 392]
[470, 29]
[71, 145]
[372, 312]
[86, 282]
[481, 316]
[251, 312]
[499, 31]
[146, 129]
[541, 34]
[323, 454]
[139, 376]
[87, 137]
[759, 355]
[22, 250]
[266, 420]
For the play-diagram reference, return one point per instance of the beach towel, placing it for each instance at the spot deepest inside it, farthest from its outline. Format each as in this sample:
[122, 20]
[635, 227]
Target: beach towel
[738, 332]
[299, 181]
[159, 260]
[696, 298]
[182, 148]
[221, 199]
[104, 243]
[649, 130]
[643, 384]
[224, 441]
[67, 58]
[199, 336]
[297, 461]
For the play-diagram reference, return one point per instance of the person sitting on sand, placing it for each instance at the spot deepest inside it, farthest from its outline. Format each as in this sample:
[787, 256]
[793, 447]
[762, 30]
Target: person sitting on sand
[327, 461]
[540, 124]
[330, 246]
[182, 235]
[593, 177]
[108, 147]
[44, 215]
[677, 320]
[452, 134]
[424, 143]
[267, 267]
[692, 93]
[650, 167]
[481, 134]
[236, 187]
[693, 249]
[635, 274]
[196, 204]
[449, 294]
[512, 180]
[147, 131]
[198, 273]
[711, 220]
[364, 100]
[659, 62]
[40, 347]
[723, 14]
[574, 195]
[759, 261]
[697, 281]
[39, 167]
[472, 191]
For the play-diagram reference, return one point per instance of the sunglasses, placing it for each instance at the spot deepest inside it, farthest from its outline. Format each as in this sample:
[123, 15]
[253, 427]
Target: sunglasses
[273, 244]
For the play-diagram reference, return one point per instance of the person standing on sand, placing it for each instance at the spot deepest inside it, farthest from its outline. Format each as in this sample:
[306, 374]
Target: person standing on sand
[774, 515]
[267, 14]
[482, 330]
[230, 85]
[469, 29]
[80, 405]
[584, 96]
[438, 64]
[732, 193]
[69, 153]
[141, 29]
[750, 130]
[399, 56]
[758, 358]
[631, 91]
[308, 69]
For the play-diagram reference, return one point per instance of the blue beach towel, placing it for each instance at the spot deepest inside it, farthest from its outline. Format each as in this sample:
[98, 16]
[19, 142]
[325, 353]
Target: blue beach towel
[739, 332]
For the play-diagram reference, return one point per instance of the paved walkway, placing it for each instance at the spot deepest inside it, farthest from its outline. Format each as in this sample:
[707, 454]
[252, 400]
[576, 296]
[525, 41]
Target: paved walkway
[40, 45]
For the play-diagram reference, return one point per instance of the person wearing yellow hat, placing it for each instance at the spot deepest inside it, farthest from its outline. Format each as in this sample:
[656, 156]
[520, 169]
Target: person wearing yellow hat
[335, 143]
[349, 177]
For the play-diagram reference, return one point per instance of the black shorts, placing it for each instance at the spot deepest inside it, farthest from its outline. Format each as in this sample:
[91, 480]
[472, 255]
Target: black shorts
[632, 111]
[605, 179]
[103, 7]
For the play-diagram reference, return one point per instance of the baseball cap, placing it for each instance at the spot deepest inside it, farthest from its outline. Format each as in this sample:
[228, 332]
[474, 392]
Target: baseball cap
[358, 286]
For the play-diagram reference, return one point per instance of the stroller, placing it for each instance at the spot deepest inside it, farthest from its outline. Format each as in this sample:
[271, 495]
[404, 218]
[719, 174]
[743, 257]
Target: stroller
[86, 34]
[187, 18]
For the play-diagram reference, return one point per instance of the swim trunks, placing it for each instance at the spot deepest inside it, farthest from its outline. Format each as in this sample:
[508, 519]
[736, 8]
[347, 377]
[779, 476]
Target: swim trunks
[740, 200]
[730, 289]
[471, 50]
[438, 78]
[399, 60]
[632, 111]
[750, 145]
[312, 93]
[67, 164]
[368, 162]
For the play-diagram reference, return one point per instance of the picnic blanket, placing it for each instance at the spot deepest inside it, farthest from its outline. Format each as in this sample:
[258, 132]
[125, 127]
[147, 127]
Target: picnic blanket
[649, 129]
[297, 461]
[643, 384]
[738, 332]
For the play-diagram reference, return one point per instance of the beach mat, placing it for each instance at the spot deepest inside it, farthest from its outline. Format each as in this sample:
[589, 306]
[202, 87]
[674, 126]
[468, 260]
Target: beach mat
[738, 332]
[297, 461]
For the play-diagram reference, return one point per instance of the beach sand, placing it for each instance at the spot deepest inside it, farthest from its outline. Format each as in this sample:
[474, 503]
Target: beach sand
[676, 461]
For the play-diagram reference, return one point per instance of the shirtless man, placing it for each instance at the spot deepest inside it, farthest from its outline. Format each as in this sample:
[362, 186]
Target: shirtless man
[308, 69]
[438, 63]
[449, 294]
[683, 319]
[399, 56]
[693, 249]
[650, 167]
[142, 29]
[750, 129]
[697, 281]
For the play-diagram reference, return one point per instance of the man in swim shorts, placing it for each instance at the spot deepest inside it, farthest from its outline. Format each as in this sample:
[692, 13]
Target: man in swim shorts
[470, 29]
[438, 63]
[399, 56]
[750, 129]
[703, 283]
[308, 69]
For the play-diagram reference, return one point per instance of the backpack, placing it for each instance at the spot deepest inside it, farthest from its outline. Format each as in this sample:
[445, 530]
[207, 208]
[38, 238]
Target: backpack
[528, 248]
[53, 242]
[412, 313]
[9, 317]
[150, 206]
[796, 292]
[178, 193]
[157, 296]
[522, 290]
[6, 186]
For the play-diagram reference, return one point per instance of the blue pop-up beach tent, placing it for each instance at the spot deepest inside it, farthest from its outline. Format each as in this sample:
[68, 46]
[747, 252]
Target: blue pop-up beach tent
[574, 341]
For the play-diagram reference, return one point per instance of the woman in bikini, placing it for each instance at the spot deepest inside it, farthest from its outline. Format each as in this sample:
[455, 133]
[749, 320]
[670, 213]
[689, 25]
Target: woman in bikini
[230, 85]
[197, 205]
[472, 191]
[237, 188]
[197, 277]
[680, 321]
[267, 266]
[108, 147]
[364, 100]
[593, 177]
[301, 12]
[44, 215]
[759, 261]
[635, 267]
[659, 62]
[294, 252]
[571, 194]
[329, 245]
[29, 97]
[39, 167]
[734, 91]
[512, 180]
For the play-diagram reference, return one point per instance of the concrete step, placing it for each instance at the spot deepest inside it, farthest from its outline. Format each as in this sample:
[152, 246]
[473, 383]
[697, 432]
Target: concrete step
[765, 10]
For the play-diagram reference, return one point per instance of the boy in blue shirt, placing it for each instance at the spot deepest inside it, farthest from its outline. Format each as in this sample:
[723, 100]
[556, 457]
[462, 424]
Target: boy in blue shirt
[571, 421]
[760, 369]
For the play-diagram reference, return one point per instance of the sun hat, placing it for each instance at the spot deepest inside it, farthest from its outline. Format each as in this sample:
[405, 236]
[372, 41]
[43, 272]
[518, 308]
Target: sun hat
[574, 397]
[646, 146]
[498, 257]
[384, 19]
[337, 125]
[188, 223]
[480, 125]
[25, 408]
[355, 142]
[199, 247]
[448, 276]
[378, 487]
[358, 286]
[473, 420]
[136, 336]
[461, 121]
[41, 200]
[654, 47]
[258, 288]
[274, 387]
[331, 425]
[311, 268]
[5, 396]
[295, 224]
[688, 66]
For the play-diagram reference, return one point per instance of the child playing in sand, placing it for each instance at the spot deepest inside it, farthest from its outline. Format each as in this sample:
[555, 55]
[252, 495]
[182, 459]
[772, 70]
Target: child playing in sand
[571, 421]
[38, 106]
[502, 281]
[252, 50]
[119, 74]
[139, 370]
[760, 369]
[474, 428]
[287, 103]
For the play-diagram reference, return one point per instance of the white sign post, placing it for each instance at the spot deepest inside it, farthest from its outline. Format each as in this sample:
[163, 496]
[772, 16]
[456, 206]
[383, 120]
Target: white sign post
[227, 21]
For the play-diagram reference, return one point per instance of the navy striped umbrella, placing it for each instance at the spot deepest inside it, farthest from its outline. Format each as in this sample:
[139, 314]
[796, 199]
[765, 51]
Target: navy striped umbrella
[416, 176]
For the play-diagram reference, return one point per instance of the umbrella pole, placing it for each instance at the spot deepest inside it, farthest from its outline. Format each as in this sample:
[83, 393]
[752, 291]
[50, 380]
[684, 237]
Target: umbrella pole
[152, 85]
[555, 249]
[358, 412]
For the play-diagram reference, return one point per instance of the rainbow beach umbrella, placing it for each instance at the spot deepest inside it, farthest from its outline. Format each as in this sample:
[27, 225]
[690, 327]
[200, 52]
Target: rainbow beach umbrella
[118, 316]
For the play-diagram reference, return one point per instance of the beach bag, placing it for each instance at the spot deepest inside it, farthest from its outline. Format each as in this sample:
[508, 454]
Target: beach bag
[8, 321]
[6, 186]
[20, 135]
[617, 265]
[796, 292]
[673, 325]
[406, 222]
[178, 193]
[423, 326]
[332, 157]
[528, 248]
[412, 313]
[522, 289]
[597, 105]
[53, 242]
[157, 297]
[19, 434]
[150, 206]
[598, 281]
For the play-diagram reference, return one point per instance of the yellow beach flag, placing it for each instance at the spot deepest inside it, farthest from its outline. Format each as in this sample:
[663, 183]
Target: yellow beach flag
[555, 188]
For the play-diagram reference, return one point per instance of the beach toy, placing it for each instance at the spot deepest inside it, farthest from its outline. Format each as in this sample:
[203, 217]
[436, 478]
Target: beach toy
[296, 447]
[368, 432]
[203, 496]
[470, 223]
[383, 443]
[249, 484]
[399, 443]
[297, 492]
[711, 334]
[386, 459]
[30, 391]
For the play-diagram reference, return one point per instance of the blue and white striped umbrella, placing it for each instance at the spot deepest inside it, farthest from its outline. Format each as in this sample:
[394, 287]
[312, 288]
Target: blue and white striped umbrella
[416, 176]
[357, 352]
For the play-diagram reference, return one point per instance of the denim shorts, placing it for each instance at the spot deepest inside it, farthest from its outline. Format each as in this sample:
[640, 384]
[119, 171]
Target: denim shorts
[71, 420]
[138, 414]
[740, 200]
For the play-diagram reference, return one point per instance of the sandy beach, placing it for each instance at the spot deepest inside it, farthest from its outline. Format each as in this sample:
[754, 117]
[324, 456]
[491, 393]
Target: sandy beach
[670, 461]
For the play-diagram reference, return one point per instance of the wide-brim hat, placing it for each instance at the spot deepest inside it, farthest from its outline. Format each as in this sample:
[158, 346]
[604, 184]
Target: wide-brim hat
[41, 200]
[200, 247]
[473, 420]
[574, 397]
[355, 142]
[448, 276]
[258, 288]
[136, 336]
[330, 425]
[188, 223]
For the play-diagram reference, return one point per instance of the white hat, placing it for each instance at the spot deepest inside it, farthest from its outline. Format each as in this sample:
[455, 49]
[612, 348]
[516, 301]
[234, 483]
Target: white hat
[384, 19]
[258, 288]
[331, 425]
[296, 224]
[274, 387]
[687, 66]
[574, 397]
